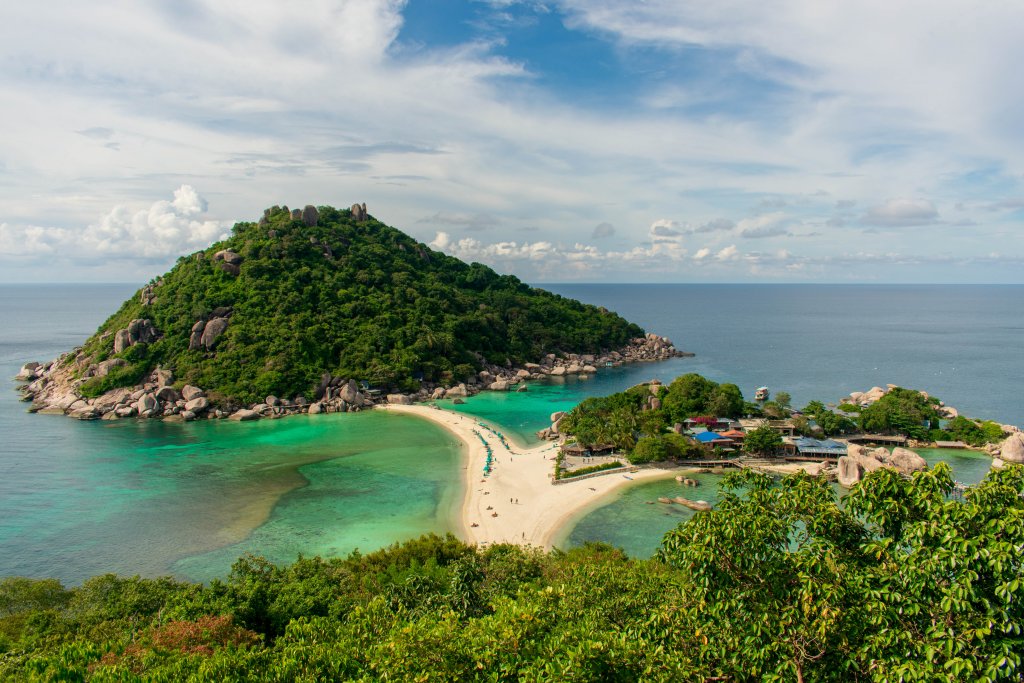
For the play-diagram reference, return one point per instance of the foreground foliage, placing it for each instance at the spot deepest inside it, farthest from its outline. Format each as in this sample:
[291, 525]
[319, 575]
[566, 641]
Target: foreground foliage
[778, 582]
[356, 299]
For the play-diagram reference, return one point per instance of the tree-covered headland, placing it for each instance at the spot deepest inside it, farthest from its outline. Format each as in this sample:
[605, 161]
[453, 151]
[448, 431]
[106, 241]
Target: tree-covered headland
[780, 582]
[324, 290]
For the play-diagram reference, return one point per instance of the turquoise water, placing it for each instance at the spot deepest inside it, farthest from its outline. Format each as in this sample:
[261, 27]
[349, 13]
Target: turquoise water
[629, 522]
[79, 499]
[522, 414]
[152, 498]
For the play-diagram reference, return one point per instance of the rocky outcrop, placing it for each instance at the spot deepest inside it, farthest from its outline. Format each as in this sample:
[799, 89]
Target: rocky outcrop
[27, 372]
[296, 214]
[229, 261]
[195, 340]
[310, 216]
[1012, 448]
[190, 393]
[359, 212]
[245, 415]
[212, 331]
[228, 256]
[458, 391]
[907, 461]
[859, 461]
[399, 399]
[139, 331]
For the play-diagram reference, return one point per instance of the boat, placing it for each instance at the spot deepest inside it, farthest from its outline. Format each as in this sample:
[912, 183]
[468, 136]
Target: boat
[761, 394]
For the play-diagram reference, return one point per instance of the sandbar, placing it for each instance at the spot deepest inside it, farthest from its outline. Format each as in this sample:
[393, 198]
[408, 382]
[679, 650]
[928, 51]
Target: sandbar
[516, 503]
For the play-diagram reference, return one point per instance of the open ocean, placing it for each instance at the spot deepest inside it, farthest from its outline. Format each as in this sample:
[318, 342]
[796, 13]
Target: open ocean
[78, 499]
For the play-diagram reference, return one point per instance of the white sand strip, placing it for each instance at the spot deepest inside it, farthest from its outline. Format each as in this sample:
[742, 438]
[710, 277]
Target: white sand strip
[522, 475]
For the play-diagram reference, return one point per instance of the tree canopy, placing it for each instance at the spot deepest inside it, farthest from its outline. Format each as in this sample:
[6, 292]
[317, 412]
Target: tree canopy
[643, 413]
[780, 581]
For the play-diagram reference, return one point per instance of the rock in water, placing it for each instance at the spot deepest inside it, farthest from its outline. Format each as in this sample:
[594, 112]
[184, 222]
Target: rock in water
[849, 472]
[1012, 448]
[197, 405]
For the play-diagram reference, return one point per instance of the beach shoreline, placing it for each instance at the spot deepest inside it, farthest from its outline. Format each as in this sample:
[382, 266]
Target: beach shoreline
[516, 503]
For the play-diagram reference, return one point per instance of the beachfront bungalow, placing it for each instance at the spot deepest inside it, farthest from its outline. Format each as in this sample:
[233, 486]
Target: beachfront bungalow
[783, 427]
[713, 440]
[575, 449]
[819, 448]
[736, 435]
[712, 424]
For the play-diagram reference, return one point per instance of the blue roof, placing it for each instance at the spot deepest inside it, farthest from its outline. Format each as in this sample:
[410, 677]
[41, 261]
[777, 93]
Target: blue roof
[708, 437]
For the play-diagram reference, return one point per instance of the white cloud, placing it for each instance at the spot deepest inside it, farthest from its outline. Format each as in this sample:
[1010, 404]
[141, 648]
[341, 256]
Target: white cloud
[902, 212]
[729, 253]
[163, 231]
[263, 104]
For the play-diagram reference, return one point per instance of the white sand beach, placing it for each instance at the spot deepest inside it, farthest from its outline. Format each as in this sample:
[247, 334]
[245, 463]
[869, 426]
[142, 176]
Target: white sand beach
[516, 503]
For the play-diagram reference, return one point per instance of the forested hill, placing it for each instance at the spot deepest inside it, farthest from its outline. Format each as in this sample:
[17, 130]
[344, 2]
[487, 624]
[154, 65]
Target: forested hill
[323, 290]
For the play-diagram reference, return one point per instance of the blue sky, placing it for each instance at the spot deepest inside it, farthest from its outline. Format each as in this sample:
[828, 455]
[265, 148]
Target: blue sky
[571, 140]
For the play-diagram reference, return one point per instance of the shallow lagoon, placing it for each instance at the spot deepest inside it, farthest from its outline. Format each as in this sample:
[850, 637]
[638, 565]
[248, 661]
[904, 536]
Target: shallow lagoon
[628, 521]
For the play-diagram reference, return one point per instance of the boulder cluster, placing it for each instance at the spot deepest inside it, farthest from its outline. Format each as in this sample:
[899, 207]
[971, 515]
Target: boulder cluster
[138, 331]
[229, 261]
[205, 333]
[858, 461]
[1010, 450]
[53, 388]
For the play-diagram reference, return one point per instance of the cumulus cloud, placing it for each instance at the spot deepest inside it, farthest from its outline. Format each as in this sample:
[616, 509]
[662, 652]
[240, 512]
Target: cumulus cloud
[729, 253]
[902, 212]
[664, 228]
[764, 225]
[701, 254]
[547, 259]
[602, 230]
[164, 230]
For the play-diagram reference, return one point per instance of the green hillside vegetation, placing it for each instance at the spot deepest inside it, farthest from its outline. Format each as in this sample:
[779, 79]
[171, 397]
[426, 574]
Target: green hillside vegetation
[354, 298]
[780, 582]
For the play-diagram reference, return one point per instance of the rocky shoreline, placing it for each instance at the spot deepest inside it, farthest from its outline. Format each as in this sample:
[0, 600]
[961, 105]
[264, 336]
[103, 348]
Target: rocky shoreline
[54, 388]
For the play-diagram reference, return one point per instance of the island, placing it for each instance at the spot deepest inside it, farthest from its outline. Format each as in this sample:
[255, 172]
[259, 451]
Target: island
[320, 310]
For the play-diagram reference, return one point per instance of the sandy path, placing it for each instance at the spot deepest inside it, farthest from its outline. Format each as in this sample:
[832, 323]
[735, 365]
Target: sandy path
[522, 475]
